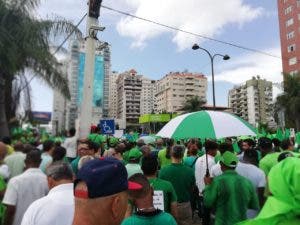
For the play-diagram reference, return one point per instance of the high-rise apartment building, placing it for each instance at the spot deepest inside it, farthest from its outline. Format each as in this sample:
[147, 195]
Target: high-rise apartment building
[129, 88]
[175, 88]
[252, 101]
[112, 99]
[148, 96]
[289, 24]
[76, 79]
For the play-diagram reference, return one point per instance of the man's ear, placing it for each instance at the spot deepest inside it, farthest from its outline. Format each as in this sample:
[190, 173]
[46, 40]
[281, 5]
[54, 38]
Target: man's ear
[50, 182]
[118, 207]
[115, 207]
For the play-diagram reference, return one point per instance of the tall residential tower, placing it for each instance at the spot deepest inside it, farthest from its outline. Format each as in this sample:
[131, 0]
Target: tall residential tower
[289, 24]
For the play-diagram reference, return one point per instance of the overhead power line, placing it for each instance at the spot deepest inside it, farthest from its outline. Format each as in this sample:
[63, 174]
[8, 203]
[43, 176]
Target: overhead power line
[192, 33]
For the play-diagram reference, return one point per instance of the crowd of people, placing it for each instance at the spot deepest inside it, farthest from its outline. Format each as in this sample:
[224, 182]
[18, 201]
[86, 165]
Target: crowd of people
[131, 181]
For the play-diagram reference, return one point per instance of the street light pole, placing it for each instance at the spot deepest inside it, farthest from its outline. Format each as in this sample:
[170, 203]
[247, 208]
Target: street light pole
[92, 27]
[212, 57]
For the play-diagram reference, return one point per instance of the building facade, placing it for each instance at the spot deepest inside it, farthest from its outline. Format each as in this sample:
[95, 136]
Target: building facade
[175, 88]
[76, 79]
[129, 89]
[148, 99]
[289, 24]
[59, 105]
[112, 99]
[253, 101]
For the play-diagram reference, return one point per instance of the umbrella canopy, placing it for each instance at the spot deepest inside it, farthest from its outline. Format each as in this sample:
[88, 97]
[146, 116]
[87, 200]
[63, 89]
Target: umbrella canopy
[148, 139]
[206, 124]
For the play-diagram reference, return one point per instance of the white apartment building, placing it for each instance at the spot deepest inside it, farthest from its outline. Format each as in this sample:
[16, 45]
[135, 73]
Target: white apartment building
[112, 98]
[253, 101]
[176, 87]
[148, 96]
[129, 88]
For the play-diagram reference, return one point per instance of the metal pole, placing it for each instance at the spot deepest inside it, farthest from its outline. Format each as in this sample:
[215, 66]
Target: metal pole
[213, 82]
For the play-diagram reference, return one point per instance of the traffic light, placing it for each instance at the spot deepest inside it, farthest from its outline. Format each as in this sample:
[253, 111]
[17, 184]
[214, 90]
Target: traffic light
[94, 8]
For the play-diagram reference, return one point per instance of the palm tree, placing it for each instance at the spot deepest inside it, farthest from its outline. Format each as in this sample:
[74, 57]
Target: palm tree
[193, 104]
[25, 46]
[289, 101]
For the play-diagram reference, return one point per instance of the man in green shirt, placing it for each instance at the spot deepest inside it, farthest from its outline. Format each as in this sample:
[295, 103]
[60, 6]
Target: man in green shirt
[183, 180]
[230, 194]
[143, 201]
[169, 204]
[85, 147]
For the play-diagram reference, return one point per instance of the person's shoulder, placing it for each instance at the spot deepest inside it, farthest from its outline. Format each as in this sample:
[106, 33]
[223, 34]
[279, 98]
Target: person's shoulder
[165, 183]
[167, 218]
[131, 220]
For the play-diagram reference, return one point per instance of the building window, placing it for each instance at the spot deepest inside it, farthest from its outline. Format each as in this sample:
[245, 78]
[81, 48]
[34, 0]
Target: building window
[290, 35]
[288, 10]
[289, 22]
[293, 73]
[292, 61]
[291, 48]
[298, 3]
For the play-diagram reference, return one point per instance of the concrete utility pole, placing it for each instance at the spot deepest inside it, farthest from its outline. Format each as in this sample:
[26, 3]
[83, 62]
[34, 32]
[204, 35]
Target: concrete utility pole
[85, 118]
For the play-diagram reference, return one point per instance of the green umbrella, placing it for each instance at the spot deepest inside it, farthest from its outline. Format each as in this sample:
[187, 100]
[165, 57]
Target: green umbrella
[206, 124]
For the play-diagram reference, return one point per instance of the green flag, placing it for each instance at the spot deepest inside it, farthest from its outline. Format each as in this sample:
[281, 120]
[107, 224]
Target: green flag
[279, 134]
[236, 147]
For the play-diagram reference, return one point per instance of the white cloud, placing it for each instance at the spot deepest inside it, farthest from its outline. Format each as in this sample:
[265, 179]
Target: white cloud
[254, 64]
[206, 17]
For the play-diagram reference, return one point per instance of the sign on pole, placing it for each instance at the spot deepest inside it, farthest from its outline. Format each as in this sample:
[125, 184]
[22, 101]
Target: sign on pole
[107, 126]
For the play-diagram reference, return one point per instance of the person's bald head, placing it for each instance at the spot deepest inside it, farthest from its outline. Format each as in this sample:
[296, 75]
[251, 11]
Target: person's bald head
[3, 150]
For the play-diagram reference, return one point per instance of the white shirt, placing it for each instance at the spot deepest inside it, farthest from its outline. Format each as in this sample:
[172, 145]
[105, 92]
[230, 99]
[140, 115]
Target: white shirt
[4, 171]
[24, 189]
[200, 170]
[15, 162]
[71, 146]
[251, 172]
[57, 208]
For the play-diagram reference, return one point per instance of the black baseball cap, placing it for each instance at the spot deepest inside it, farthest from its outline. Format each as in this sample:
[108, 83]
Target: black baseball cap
[103, 177]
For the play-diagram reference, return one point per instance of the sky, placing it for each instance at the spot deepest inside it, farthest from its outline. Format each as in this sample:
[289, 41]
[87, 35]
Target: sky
[154, 51]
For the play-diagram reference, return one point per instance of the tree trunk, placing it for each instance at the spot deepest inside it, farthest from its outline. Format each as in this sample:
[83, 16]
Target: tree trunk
[4, 131]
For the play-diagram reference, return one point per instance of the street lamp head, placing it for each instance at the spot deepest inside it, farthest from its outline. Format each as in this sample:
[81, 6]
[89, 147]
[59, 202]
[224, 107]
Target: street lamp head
[226, 57]
[195, 47]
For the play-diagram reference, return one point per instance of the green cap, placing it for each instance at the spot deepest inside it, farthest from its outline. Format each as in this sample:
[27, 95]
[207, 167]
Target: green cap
[113, 141]
[135, 153]
[229, 159]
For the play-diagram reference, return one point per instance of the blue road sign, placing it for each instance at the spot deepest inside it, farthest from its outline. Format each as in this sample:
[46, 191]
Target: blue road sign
[107, 126]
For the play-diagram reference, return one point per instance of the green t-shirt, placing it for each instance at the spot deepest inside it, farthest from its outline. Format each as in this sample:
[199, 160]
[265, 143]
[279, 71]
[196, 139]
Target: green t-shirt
[162, 159]
[2, 207]
[231, 195]
[268, 161]
[168, 191]
[126, 157]
[74, 165]
[181, 177]
[157, 218]
[190, 161]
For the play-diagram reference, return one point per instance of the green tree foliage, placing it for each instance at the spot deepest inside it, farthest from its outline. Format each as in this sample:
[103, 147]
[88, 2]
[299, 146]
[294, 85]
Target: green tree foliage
[193, 104]
[289, 101]
[25, 46]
